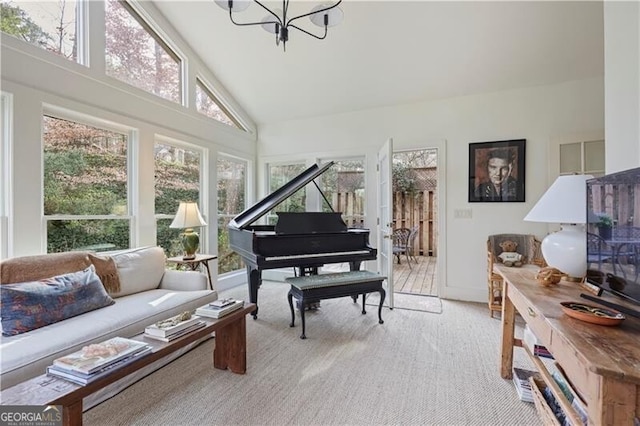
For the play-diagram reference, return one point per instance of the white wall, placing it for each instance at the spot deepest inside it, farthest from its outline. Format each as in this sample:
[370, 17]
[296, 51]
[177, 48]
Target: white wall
[537, 114]
[622, 84]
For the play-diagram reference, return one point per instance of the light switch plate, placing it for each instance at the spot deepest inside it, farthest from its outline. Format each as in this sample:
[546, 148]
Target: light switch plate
[462, 214]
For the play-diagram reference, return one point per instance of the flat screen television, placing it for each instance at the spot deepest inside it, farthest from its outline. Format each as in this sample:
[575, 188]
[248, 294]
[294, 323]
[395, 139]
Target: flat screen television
[613, 233]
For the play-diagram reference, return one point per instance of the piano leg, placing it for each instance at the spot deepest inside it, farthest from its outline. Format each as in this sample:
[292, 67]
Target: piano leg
[254, 282]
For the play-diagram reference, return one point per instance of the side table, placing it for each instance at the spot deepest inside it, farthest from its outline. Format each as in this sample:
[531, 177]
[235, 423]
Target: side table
[194, 264]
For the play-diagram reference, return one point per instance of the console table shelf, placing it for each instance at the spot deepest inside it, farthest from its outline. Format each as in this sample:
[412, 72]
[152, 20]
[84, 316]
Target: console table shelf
[602, 363]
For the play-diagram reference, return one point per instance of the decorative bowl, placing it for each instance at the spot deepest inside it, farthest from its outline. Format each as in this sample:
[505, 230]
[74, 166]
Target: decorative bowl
[592, 314]
[549, 276]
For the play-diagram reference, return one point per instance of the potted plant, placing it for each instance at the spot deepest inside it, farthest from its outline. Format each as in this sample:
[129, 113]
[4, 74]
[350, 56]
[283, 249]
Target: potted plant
[605, 224]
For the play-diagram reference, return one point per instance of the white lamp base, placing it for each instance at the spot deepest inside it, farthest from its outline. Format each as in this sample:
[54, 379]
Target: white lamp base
[566, 250]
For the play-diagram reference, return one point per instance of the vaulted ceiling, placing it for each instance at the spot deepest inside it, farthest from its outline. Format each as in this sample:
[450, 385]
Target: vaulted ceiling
[393, 52]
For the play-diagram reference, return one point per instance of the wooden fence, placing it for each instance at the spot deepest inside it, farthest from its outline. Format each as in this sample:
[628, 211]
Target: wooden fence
[618, 201]
[409, 210]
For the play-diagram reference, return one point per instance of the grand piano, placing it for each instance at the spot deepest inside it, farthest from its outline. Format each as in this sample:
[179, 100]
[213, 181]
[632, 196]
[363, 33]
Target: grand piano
[305, 240]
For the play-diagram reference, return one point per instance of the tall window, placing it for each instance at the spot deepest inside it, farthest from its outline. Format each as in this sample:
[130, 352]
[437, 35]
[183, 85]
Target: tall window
[280, 174]
[137, 55]
[5, 140]
[85, 186]
[177, 178]
[208, 104]
[343, 185]
[50, 25]
[232, 181]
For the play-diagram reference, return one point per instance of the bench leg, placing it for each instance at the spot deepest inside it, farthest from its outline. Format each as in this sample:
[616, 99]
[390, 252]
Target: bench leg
[293, 315]
[302, 302]
[363, 300]
[383, 294]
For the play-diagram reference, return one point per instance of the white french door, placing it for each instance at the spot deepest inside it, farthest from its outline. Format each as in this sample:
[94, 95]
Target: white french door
[385, 216]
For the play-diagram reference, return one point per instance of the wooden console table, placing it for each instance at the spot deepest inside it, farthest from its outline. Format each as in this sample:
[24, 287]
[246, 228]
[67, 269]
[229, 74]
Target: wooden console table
[230, 352]
[602, 363]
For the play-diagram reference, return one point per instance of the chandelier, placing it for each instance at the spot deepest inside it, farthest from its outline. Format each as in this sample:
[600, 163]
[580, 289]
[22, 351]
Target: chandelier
[278, 21]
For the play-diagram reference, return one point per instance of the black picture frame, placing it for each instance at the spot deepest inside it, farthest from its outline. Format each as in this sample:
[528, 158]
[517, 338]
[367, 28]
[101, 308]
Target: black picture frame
[505, 161]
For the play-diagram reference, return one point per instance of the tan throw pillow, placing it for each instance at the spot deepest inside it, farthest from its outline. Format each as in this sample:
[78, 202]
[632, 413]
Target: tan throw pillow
[140, 269]
[107, 271]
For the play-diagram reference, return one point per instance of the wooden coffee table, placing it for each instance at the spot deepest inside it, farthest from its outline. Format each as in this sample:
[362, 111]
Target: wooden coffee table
[230, 352]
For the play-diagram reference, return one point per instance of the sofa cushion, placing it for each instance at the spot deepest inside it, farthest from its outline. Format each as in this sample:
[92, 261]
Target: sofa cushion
[140, 269]
[107, 270]
[33, 304]
[33, 268]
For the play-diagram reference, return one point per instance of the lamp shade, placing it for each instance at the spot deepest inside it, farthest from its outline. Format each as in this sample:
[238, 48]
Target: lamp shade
[564, 203]
[188, 216]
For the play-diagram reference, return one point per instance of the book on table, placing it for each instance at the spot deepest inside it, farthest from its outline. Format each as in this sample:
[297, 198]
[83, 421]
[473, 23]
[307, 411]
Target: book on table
[96, 356]
[84, 379]
[170, 326]
[180, 333]
[216, 312]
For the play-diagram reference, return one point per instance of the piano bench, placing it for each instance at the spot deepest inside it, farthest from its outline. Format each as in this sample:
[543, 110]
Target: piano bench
[331, 286]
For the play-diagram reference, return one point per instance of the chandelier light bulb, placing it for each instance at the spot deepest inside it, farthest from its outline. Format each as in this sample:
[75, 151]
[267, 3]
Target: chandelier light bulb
[278, 21]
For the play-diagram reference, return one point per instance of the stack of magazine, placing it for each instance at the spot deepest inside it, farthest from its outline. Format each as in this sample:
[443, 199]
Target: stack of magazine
[96, 361]
[219, 308]
[521, 380]
[174, 327]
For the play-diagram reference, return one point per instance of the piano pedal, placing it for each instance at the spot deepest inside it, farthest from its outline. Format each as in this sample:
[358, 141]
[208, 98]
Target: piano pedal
[309, 306]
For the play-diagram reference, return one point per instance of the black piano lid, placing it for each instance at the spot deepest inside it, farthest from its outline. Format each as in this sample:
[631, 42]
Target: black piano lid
[269, 202]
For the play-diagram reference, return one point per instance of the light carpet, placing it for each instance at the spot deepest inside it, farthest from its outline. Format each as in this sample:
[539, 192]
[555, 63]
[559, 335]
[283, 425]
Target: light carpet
[415, 369]
[413, 302]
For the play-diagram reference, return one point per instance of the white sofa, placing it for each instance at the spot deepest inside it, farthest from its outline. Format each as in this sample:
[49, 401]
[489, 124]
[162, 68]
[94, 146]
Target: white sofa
[148, 293]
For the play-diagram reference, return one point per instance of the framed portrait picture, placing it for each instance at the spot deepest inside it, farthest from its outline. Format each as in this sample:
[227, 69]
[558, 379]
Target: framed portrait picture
[496, 171]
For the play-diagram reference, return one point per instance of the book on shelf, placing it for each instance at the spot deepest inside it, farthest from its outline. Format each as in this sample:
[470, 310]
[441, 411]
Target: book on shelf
[531, 342]
[84, 379]
[180, 333]
[522, 384]
[215, 312]
[96, 356]
[171, 325]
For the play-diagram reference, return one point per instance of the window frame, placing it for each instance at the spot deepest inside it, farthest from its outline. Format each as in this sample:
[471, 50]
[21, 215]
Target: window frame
[270, 217]
[202, 84]
[203, 198]
[155, 31]
[318, 200]
[132, 176]
[247, 188]
[6, 142]
[81, 34]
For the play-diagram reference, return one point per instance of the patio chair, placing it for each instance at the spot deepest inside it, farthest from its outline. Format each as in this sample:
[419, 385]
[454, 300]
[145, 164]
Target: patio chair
[400, 238]
[528, 247]
[411, 241]
[598, 251]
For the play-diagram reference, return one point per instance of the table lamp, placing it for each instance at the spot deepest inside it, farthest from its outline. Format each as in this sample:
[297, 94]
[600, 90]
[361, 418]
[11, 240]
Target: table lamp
[564, 203]
[188, 217]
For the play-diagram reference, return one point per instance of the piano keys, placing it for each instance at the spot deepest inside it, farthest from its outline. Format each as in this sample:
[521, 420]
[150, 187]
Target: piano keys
[305, 240]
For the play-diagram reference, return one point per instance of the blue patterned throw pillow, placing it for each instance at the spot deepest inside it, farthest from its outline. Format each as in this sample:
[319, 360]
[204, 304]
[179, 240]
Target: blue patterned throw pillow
[30, 305]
